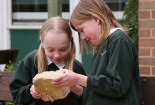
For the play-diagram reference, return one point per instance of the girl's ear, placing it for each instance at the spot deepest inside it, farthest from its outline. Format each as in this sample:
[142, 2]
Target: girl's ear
[42, 45]
[96, 18]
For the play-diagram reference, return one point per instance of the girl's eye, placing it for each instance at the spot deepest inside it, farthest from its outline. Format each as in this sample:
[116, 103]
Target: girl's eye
[80, 31]
[64, 49]
[49, 50]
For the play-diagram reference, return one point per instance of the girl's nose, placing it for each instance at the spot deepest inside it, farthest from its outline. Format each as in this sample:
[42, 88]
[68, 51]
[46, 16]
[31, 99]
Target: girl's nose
[56, 54]
[83, 37]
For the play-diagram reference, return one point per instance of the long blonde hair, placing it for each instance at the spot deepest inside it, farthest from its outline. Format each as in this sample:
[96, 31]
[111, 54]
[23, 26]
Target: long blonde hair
[58, 24]
[86, 9]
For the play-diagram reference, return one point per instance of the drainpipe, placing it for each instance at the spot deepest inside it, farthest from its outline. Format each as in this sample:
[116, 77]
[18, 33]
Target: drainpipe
[54, 8]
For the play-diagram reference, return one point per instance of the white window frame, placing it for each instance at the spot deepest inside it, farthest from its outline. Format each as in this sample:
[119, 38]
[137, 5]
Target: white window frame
[78, 55]
[29, 16]
[5, 16]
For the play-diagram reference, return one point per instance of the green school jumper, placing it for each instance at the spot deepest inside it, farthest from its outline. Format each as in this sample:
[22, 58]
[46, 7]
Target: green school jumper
[114, 79]
[22, 81]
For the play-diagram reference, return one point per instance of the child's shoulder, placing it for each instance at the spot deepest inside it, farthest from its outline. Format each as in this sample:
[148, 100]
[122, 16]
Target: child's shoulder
[77, 63]
[78, 67]
[31, 55]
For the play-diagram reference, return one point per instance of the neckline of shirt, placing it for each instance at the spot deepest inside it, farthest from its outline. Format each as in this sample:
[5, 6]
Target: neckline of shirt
[60, 66]
[114, 29]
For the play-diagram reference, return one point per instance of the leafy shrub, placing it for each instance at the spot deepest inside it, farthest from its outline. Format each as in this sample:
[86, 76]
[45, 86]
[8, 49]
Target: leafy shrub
[131, 19]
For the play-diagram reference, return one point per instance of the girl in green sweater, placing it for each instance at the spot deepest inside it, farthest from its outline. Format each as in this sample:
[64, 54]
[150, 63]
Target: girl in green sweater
[114, 75]
[56, 51]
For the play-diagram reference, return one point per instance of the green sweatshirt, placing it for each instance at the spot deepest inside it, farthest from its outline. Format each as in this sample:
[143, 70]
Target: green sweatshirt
[114, 79]
[22, 82]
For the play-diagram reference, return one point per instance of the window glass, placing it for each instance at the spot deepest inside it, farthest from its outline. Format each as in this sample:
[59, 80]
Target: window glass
[117, 6]
[33, 11]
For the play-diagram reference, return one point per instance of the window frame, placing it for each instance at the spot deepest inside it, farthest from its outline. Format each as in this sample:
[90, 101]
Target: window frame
[33, 16]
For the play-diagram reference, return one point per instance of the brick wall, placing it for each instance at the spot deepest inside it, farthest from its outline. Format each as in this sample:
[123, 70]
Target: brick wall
[147, 36]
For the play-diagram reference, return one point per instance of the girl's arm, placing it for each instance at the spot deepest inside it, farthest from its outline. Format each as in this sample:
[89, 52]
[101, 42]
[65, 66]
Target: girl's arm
[70, 79]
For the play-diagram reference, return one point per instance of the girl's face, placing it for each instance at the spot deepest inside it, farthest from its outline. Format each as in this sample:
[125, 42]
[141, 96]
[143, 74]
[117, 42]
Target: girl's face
[56, 46]
[89, 30]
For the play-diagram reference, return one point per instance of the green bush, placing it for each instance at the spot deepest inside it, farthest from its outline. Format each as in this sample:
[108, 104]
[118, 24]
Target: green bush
[9, 103]
[9, 67]
[131, 19]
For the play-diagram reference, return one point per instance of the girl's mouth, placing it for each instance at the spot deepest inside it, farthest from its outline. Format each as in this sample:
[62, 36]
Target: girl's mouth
[57, 61]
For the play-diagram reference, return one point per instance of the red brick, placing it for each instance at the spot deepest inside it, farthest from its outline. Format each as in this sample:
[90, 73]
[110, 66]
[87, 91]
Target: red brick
[153, 14]
[144, 15]
[153, 52]
[144, 52]
[153, 33]
[153, 24]
[144, 33]
[146, 24]
[147, 42]
[147, 61]
[153, 71]
[145, 70]
[146, 5]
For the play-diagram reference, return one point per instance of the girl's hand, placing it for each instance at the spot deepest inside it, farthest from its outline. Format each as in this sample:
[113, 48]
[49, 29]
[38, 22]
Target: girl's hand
[69, 79]
[77, 89]
[41, 96]
[46, 97]
[34, 93]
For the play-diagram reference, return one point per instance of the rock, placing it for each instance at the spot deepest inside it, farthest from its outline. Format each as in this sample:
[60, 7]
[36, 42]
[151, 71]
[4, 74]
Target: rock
[42, 83]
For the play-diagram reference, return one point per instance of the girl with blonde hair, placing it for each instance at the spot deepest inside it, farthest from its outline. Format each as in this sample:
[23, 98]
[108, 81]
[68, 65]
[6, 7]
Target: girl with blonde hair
[56, 51]
[114, 75]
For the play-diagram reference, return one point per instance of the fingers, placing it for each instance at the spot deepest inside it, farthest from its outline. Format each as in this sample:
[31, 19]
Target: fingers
[66, 80]
[46, 97]
[58, 79]
[50, 98]
[36, 96]
[34, 93]
[42, 96]
[66, 71]
[59, 82]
